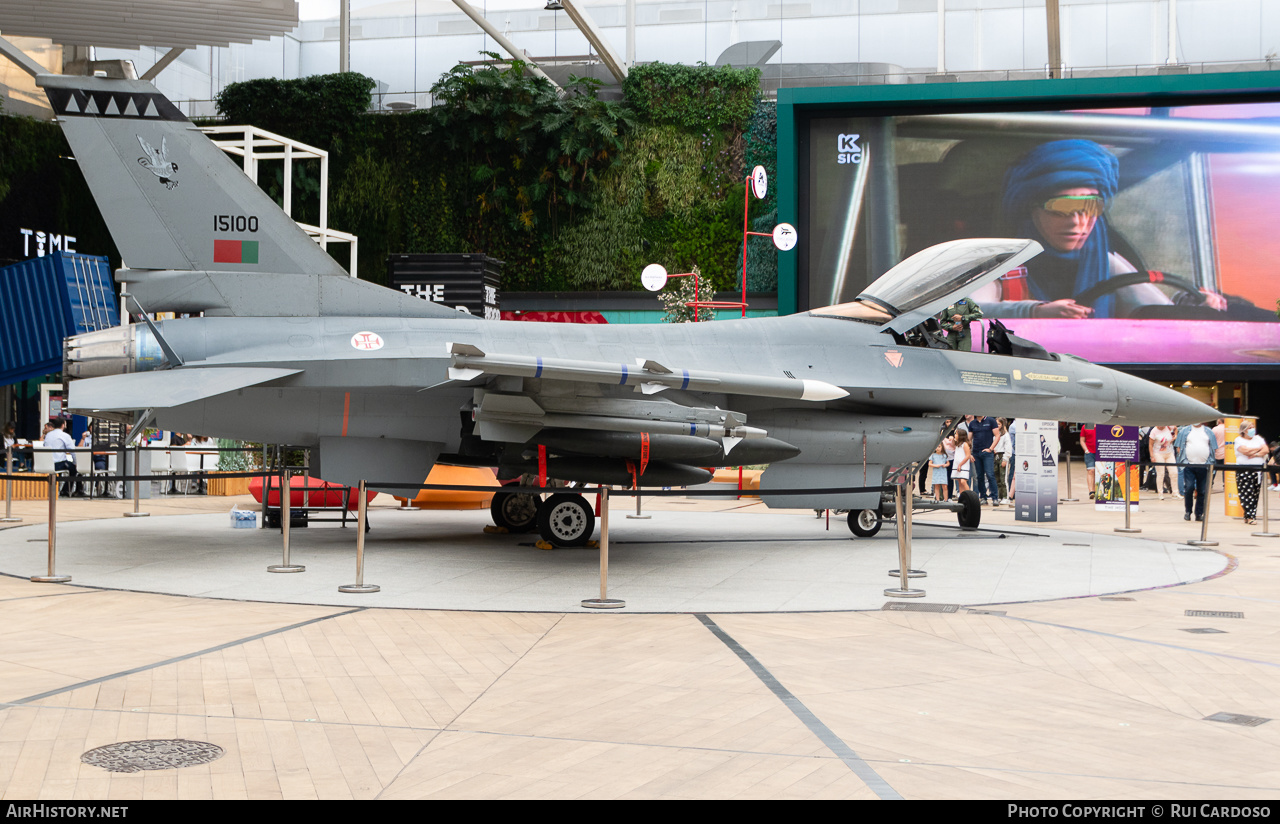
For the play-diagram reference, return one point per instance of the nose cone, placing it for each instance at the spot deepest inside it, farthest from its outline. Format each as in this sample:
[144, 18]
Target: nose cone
[1142, 403]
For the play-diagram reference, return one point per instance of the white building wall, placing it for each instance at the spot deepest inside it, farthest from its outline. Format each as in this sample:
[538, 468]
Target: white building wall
[405, 54]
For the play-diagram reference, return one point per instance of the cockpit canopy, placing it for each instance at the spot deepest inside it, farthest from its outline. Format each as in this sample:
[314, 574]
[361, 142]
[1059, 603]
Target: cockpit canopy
[933, 279]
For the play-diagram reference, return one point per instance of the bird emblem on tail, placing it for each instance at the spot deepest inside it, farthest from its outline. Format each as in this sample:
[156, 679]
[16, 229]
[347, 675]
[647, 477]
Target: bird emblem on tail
[158, 163]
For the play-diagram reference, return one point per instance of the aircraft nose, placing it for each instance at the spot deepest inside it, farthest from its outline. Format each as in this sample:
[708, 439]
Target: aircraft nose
[1144, 403]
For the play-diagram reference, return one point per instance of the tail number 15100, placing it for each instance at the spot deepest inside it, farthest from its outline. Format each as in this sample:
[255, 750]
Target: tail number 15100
[235, 223]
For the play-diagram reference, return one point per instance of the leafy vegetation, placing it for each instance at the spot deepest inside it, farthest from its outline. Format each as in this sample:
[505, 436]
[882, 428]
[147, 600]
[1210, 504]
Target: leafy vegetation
[693, 97]
[571, 191]
[678, 293]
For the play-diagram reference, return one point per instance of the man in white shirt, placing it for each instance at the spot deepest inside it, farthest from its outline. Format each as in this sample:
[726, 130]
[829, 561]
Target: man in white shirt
[63, 459]
[1195, 447]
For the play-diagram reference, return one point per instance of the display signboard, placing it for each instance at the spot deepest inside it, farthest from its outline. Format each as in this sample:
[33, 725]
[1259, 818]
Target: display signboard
[1117, 451]
[1035, 470]
[1109, 479]
[1117, 443]
[1231, 500]
[1169, 264]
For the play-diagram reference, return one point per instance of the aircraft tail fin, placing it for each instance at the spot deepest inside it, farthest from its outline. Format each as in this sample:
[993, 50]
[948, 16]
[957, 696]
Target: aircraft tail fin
[170, 197]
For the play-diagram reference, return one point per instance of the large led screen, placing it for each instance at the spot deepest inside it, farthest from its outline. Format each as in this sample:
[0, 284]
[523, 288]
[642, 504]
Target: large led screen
[1161, 226]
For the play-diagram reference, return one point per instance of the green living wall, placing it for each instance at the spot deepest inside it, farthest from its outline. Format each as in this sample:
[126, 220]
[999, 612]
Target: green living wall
[571, 191]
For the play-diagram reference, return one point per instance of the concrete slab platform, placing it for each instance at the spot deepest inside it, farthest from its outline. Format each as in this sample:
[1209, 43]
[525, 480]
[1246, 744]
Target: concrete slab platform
[679, 561]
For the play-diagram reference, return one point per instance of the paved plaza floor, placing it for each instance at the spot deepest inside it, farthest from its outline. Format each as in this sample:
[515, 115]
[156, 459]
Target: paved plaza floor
[757, 657]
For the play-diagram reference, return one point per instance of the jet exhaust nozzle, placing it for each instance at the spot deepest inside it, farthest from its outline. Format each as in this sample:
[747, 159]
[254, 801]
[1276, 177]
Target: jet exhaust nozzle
[115, 351]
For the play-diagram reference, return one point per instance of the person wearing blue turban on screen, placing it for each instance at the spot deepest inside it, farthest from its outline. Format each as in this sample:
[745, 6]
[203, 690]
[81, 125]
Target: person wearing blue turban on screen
[1058, 194]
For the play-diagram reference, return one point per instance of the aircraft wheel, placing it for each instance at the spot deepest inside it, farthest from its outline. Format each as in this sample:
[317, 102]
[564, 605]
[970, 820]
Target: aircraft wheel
[864, 522]
[970, 514]
[566, 520]
[516, 511]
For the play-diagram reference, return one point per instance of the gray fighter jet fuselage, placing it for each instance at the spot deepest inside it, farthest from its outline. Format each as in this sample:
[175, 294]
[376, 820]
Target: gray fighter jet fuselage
[382, 385]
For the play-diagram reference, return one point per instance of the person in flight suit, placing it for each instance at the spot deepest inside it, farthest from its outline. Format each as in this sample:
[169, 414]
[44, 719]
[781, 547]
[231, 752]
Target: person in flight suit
[956, 319]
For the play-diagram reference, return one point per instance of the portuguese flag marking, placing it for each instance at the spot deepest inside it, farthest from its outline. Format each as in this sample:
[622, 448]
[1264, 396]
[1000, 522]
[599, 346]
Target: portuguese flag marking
[235, 251]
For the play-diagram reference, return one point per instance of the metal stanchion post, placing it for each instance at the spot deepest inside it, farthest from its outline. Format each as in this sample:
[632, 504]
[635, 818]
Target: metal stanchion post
[604, 601]
[1124, 471]
[360, 585]
[286, 515]
[137, 472]
[1204, 525]
[52, 577]
[1066, 460]
[638, 516]
[904, 553]
[266, 486]
[906, 513]
[8, 488]
[1266, 526]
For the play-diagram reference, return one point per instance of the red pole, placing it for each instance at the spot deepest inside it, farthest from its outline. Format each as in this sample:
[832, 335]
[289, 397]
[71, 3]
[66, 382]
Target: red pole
[746, 204]
[695, 297]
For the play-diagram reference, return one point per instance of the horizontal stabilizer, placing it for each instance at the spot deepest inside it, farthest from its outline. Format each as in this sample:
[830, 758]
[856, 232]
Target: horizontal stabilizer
[161, 390]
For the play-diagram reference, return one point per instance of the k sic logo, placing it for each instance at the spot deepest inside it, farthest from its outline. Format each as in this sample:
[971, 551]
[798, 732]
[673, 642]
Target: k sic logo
[848, 150]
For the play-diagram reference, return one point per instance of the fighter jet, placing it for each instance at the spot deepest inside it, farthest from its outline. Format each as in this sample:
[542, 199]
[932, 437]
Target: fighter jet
[381, 385]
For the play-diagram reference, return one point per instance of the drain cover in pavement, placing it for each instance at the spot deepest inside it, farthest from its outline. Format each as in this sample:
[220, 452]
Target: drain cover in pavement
[1204, 630]
[1115, 598]
[1204, 613]
[1233, 718]
[973, 611]
[156, 754]
[895, 606]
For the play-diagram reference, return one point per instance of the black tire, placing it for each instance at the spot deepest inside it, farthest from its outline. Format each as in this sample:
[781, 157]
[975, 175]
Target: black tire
[515, 511]
[297, 520]
[864, 522]
[566, 520]
[970, 514]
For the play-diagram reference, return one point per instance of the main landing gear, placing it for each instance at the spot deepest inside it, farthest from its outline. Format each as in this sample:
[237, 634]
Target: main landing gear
[866, 522]
[563, 519]
[515, 511]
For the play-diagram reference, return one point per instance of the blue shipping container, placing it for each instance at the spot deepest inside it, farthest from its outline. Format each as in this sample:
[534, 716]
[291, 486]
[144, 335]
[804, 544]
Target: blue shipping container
[42, 301]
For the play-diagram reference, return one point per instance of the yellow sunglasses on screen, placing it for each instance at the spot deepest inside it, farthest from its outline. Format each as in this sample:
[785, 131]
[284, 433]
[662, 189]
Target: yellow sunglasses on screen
[1068, 205]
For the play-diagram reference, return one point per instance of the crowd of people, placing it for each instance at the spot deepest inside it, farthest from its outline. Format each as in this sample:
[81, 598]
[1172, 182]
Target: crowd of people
[978, 455]
[1183, 457]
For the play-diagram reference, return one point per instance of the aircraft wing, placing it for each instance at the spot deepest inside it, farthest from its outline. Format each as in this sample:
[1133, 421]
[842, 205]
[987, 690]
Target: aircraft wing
[648, 376]
[163, 389]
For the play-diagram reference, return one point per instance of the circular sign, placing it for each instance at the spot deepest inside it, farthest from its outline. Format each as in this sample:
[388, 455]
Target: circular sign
[366, 341]
[759, 182]
[654, 277]
[785, 237]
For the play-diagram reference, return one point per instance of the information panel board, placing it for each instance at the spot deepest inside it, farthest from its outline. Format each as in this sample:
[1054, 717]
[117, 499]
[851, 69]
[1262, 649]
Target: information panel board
[1035, 470]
